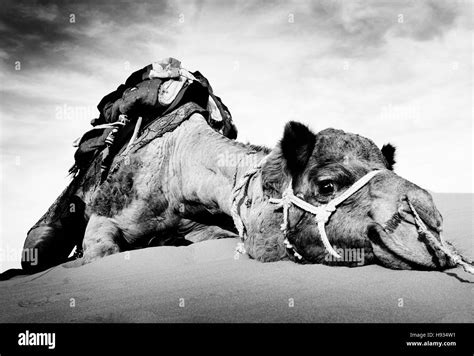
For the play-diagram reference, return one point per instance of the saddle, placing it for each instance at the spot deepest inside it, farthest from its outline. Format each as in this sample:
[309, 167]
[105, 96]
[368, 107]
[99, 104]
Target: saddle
[146, 96]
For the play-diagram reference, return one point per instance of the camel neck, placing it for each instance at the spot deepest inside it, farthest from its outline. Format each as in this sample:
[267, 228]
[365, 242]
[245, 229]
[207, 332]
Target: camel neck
[211, 165]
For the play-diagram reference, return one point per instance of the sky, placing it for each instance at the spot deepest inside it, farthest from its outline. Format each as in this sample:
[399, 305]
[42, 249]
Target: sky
[394, 71]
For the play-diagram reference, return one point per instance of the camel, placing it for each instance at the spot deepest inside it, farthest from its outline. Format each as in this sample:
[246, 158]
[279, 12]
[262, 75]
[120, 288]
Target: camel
[193, 184]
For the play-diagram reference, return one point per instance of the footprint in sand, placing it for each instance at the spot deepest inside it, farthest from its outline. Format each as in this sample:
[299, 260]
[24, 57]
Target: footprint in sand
[66, 280]
[106, 318]
[73, 264]
[34, 303]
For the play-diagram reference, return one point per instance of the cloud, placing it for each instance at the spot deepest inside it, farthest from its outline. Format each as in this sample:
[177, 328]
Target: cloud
[28, 32]
[40, 33]
[362, 28]
[51, 34]
[429, 19]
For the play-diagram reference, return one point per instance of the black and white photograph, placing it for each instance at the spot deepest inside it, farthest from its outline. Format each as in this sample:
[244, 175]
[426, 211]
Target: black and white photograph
[204, 172]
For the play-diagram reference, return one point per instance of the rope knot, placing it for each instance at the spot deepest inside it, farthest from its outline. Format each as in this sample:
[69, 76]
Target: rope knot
[323, 213]
[289, 246]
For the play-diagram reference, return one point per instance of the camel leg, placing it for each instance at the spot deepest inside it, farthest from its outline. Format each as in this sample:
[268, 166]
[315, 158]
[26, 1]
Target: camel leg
[101, 238]
[50, 241]
[200, 232]
[45, 246]
[189, 232]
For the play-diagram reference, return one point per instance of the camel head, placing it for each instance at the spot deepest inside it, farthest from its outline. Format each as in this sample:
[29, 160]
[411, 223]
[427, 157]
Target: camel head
[376, 222]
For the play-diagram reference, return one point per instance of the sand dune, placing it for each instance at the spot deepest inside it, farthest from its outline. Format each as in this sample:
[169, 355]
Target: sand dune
[205, 283]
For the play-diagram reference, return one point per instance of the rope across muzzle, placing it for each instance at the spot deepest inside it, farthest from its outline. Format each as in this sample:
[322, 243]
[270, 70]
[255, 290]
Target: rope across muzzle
[438, 245]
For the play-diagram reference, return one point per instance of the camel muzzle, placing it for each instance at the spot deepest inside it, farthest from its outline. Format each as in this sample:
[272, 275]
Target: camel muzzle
[413, 237]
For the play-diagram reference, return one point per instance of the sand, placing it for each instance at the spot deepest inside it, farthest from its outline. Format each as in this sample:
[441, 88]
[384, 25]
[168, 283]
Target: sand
[205, 283]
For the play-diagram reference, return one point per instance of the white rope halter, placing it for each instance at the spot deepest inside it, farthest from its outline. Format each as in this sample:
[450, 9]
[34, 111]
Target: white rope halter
[322, 213]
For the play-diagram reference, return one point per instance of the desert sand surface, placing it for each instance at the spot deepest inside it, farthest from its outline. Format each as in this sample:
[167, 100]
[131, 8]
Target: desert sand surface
[205, 283]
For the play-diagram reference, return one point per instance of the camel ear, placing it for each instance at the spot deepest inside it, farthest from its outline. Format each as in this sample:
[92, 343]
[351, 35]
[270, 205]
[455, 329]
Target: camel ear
[297, 145]
[388, 152]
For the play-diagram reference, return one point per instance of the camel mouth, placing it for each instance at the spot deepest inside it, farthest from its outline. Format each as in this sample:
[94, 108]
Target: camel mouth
[400, 246]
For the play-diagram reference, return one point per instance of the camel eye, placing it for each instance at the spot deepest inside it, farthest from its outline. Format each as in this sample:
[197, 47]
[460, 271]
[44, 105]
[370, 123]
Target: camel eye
[326, 187]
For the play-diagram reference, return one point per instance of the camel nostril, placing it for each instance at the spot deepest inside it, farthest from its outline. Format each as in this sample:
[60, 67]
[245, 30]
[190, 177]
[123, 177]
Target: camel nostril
[426, 212]
[374, 235]
[405, 213]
